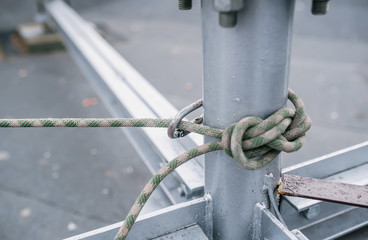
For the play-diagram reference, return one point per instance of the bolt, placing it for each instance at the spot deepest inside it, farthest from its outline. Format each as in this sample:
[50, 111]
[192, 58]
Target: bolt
[319, 7]
[185, 4]
[228, 19]
[312, 212]
[40, 6]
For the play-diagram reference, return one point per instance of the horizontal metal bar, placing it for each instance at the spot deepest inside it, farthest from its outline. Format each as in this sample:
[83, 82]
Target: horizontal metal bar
[319, 189]
[195, 212]
[337, 226]
[127, 94]
[331, 164]
[357, 176]
[187, 233]
[311, 221]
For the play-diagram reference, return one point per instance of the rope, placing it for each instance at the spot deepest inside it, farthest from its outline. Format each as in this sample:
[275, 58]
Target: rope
[248, 139]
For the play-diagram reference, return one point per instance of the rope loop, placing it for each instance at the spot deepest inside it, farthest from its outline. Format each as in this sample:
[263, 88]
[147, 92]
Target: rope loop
[254, 142]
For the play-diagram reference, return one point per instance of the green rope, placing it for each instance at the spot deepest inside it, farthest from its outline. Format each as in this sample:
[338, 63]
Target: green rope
[249, 138]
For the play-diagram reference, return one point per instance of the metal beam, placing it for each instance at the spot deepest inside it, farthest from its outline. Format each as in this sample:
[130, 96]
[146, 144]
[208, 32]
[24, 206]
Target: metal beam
[335, 227]
[331, 164]
[162, 222]
[330, 221]
[127, 94]
[245, 74]
[267, 226]
[186, 233]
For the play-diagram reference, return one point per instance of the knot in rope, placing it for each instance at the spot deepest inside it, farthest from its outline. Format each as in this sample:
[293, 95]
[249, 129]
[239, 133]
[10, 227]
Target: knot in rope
[253, 137]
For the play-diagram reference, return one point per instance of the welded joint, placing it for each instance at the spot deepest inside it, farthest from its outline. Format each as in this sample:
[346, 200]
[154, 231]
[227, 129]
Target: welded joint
[272, 199]
[262, 216]
[208, 217]
[228, 11]
[257, 221]
[299, 235]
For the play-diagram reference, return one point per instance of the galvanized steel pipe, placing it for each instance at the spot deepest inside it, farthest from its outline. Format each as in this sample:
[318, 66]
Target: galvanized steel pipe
[245, 74]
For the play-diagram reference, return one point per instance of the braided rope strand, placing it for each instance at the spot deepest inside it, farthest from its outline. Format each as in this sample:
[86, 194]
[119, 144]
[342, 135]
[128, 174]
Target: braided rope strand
[156, 180]
[252, 142]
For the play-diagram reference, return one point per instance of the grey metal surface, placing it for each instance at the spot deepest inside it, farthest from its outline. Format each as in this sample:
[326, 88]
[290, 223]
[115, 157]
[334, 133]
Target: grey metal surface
[332, 163]
[357, 176]
[267, 226]
[320, 189]
[228, 5]
[338, 225]
[128, 94]
[187, 233]
[331, 221]
[299, 235]
[195, 212]
[245, 74]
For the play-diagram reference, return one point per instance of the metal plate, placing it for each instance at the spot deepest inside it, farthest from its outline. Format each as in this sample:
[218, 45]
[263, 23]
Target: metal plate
[319, 189]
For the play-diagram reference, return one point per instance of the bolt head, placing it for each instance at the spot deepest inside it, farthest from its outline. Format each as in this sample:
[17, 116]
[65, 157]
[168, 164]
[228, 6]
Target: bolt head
[228, 19]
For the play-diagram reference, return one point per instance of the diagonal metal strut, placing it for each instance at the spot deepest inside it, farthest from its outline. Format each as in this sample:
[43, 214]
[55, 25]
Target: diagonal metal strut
[319, 189]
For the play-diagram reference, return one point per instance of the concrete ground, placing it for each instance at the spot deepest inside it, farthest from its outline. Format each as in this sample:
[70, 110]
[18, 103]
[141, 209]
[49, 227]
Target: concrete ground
[56, 183]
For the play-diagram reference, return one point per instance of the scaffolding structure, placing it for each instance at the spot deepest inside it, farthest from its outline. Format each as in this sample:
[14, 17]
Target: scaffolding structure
[246, 55]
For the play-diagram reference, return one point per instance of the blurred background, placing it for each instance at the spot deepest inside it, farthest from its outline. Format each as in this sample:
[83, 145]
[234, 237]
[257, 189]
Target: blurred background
[56, 183]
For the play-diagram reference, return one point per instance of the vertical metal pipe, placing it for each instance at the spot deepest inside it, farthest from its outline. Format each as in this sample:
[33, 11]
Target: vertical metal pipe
[245, 74]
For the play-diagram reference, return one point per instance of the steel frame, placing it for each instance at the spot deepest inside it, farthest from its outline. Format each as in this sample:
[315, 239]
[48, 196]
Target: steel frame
[120, 85]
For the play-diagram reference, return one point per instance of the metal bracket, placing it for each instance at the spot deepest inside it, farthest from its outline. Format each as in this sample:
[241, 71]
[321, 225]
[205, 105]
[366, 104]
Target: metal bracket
[267, 226]
[173, 131]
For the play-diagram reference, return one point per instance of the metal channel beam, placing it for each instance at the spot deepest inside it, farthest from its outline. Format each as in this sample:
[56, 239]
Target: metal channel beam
[333, 228]
[267, 226]
[127, 94]
[331, 164]
[329, 221]
[187, 233]
[162, 222]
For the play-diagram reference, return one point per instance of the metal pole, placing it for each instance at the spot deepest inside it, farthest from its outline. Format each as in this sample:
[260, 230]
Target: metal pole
[245, 74]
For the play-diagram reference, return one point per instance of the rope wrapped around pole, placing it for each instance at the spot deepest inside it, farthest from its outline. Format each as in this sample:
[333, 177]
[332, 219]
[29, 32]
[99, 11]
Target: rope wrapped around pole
[252, 142]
